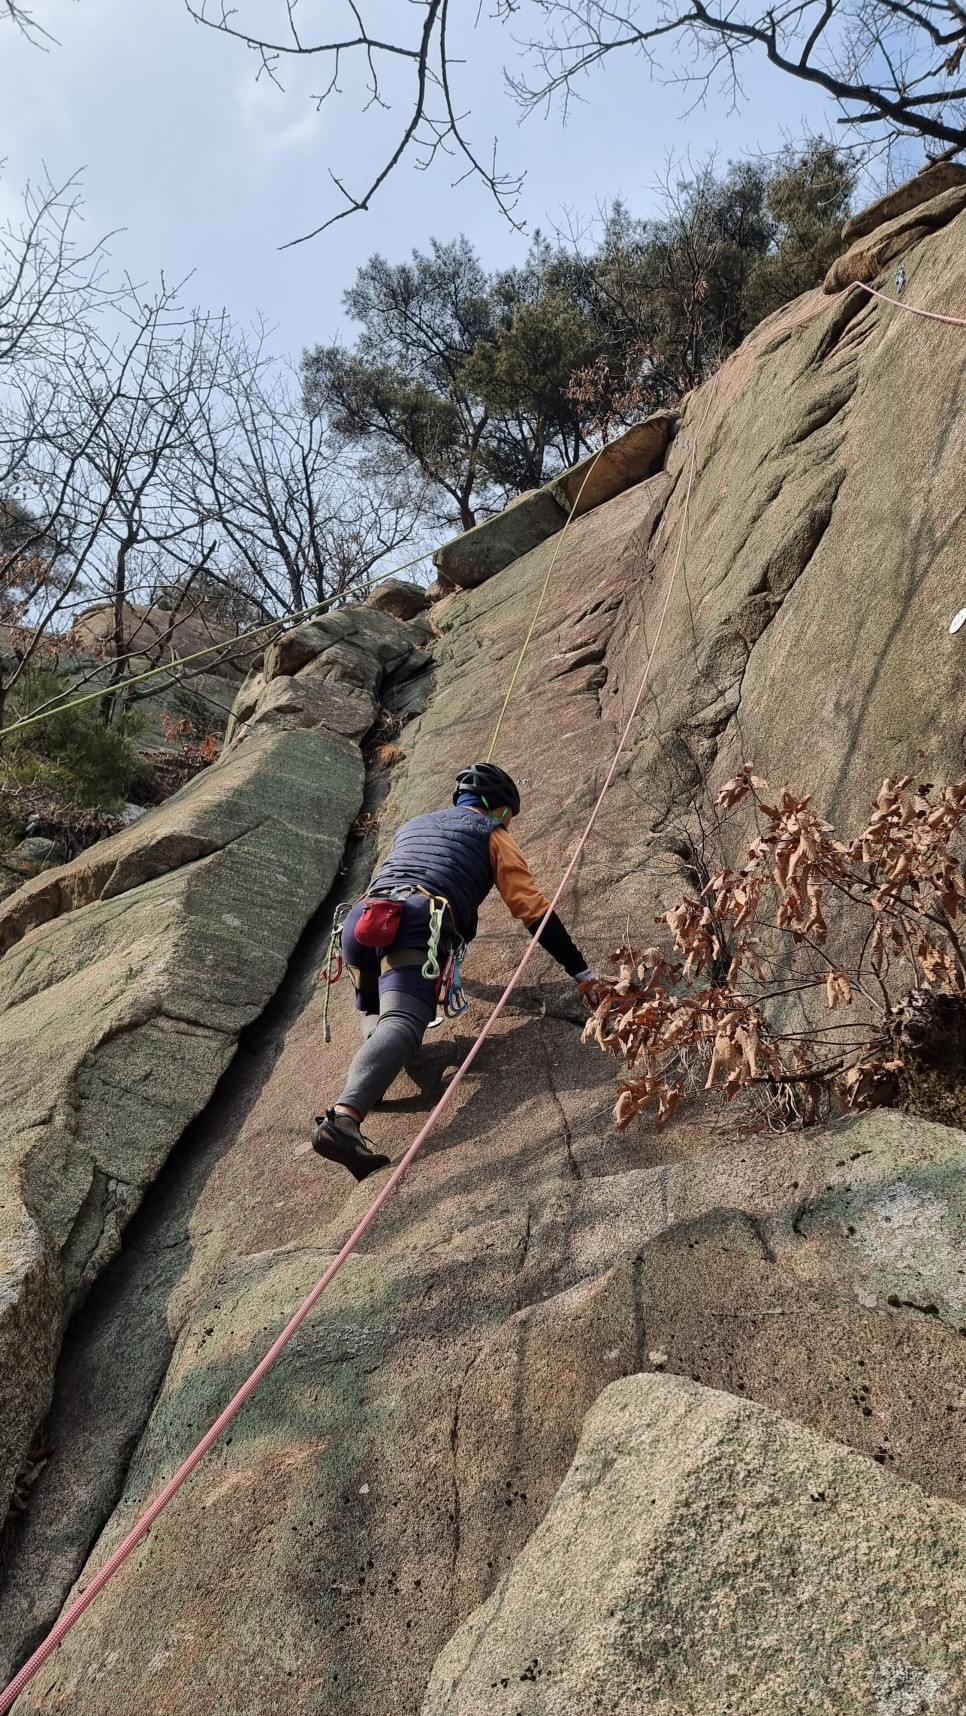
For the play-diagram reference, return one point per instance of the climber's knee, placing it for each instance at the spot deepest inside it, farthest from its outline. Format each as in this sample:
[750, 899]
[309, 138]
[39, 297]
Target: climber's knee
[410, 1015]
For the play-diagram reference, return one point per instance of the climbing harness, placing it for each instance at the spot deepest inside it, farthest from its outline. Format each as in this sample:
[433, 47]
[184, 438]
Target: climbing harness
[378, 927]
[143, 1524]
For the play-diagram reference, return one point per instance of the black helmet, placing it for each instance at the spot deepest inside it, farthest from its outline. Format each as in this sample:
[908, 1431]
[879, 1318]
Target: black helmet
[489, 783]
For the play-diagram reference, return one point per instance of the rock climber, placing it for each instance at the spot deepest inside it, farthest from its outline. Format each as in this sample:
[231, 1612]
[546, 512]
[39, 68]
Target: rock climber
[430, 889]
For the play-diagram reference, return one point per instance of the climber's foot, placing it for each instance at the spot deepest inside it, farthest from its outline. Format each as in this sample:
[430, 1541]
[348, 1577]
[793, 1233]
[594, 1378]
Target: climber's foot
[338, 1138]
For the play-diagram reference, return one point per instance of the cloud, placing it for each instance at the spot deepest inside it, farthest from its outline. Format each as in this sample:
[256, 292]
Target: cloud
[276, 122]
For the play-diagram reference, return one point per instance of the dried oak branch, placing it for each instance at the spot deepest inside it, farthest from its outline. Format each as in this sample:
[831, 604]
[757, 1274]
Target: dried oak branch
[890, 969]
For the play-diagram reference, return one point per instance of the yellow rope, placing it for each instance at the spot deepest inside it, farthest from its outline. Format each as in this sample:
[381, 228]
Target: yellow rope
[223, 648]
[536, 612]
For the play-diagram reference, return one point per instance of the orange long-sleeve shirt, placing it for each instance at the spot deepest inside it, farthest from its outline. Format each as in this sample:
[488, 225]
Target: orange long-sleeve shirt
[514, 879]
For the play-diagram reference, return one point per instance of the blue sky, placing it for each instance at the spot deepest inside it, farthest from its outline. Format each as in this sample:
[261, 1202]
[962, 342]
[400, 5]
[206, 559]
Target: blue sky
[206, 170]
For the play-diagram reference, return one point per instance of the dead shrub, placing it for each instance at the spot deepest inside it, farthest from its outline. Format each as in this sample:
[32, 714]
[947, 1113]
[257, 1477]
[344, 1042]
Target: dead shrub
[386, 756]
[713, 1006]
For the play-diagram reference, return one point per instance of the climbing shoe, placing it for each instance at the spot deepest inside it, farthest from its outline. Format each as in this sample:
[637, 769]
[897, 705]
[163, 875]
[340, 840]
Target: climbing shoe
[337, 1137]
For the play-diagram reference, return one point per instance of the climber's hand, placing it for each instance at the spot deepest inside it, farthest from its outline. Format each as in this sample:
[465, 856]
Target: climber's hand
[588, 983]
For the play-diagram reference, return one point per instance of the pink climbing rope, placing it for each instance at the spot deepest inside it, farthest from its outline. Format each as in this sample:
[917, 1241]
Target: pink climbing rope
[765, 330]
[913, 309]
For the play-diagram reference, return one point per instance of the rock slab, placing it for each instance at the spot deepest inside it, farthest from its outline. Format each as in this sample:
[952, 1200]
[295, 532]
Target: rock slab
[487, 549]
[870, 255]
[941, 176]
[705, 1556]
[126, 980]
[632, 458]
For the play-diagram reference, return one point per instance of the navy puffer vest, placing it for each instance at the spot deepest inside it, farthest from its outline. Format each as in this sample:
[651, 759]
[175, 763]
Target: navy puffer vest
[448, 852]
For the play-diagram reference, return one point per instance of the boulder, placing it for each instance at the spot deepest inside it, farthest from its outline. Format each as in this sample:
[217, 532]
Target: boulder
[32, 853]
[398, 597]
[870, 255]
[160, 634]
[931, 182]
[308, 699]
[704, 1555]
[634, 456]
[795, 1314]
[481, 553]
[327, 673]
[331, 702]
[380, 639]
[829, 1291]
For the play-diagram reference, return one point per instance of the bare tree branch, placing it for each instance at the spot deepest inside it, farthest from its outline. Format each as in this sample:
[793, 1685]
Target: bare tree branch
[888, 65]
[883, 62]
[432, 126]
[25, 21]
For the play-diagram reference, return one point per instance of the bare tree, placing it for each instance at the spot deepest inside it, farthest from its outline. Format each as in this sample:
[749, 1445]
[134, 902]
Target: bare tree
[302, 523]
[156, 467]
[104, 426]
[50, 281]
[891, 67]
[52, 287]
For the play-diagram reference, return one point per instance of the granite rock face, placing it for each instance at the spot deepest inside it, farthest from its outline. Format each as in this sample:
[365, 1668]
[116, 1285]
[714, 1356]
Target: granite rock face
[704, 1555]
[126, 980]
[386, 1482]
[150, 630]
[822, 563]
[399, 598]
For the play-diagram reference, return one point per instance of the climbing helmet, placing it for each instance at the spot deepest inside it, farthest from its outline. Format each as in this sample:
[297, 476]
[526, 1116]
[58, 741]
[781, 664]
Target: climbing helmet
[494, 786]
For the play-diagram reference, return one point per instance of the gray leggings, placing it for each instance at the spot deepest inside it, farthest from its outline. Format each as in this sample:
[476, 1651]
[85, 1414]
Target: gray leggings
[392, 1037]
